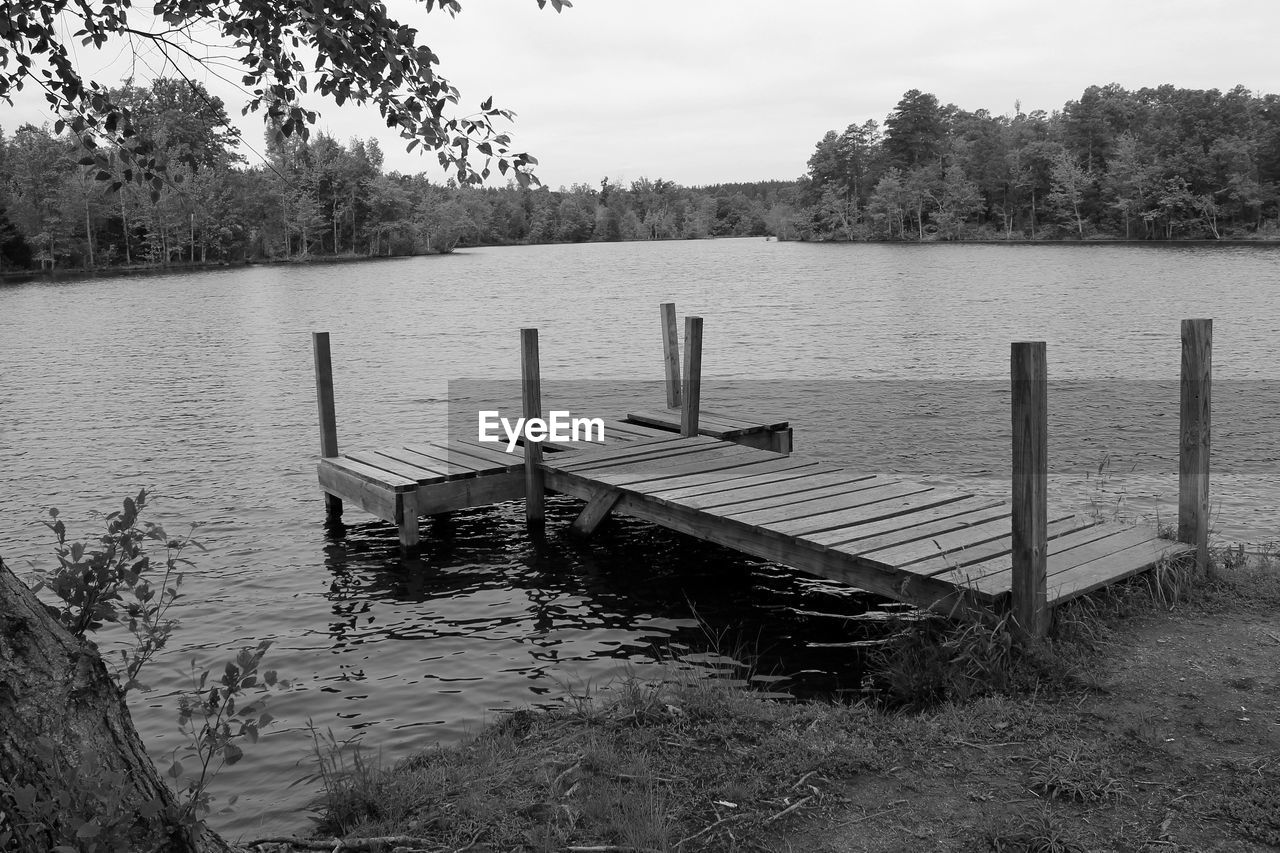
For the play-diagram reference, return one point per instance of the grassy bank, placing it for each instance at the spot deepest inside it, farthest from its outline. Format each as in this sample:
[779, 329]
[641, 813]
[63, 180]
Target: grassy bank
[1150, 720]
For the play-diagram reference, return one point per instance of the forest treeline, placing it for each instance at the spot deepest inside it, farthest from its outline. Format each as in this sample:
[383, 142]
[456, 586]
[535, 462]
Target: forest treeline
[1156, 163]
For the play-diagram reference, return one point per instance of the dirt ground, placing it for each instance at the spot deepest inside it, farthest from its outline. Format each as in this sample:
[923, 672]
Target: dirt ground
[1174, 745]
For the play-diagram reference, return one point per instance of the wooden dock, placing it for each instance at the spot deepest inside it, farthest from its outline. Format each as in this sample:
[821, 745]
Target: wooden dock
[733, 480]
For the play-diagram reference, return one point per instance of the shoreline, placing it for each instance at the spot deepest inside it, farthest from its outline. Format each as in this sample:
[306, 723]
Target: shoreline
[1127, 728]
[24, 276]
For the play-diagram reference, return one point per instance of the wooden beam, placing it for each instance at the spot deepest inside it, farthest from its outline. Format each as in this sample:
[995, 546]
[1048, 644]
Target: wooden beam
[1029, 386]
[671, 354]
[1193, 454]
[692, 376]
[531, 385]
[596, 511]
[328, 417]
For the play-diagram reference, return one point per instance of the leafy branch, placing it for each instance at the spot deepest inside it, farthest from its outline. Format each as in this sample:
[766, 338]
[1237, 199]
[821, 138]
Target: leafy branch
[355, 51]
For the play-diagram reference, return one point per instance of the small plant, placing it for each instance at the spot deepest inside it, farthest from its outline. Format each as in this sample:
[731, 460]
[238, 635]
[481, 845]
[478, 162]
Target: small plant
[109, 581]
[215, 725]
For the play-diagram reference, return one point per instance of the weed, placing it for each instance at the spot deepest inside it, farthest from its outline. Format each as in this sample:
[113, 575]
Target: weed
[1043, 833]
[1103, 505]
[929, 660]
[348, 778]
[1074, 777]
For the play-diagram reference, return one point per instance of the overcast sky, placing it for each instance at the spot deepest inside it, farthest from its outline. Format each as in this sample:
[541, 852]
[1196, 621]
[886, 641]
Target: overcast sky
[708, 91]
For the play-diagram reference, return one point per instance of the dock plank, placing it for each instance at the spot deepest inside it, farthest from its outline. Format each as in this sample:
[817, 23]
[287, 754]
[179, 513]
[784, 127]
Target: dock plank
[458, 466]
[670, 419]
[1087, 577]
[870, 492]
[634, 476]
[377, 459]
[492, 454]
[819, 501]
[779, 472]
[404, 454]
[656, 459]
[1061, 559]
[890, 530]
[918, 499]
[774, 492]
[716, 480]
[996, 548]
[371, 474]
[1003, 564]
[950, 546]
[637, 451]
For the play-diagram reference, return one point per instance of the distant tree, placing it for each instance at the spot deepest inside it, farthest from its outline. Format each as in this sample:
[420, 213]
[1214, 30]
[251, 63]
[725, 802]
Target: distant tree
[915, 131]
[1070, 180]
[888, 208]
[956, 198]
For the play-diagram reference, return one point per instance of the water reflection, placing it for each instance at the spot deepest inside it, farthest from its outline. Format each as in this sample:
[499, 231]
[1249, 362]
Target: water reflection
[630, 593]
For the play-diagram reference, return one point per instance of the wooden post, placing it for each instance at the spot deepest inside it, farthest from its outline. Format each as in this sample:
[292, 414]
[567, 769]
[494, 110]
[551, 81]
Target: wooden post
[407, 521]
[671, 353]
[692, 376]
[328, 417]
[1193, 454]
[531, 384]
[1029, 387]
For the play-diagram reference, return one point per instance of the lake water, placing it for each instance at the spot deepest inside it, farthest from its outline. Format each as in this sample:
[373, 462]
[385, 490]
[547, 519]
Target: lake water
[200, 387]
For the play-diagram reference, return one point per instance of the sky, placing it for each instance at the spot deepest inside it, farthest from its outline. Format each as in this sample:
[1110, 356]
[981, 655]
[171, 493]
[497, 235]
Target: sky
[712, 91]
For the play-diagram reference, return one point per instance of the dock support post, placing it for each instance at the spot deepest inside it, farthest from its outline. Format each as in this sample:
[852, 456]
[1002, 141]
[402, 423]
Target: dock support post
[328, 417]
[692, 376]
[1029, 391]
[1193, 453]
[531, 392]
[671, 354]
[407, 521]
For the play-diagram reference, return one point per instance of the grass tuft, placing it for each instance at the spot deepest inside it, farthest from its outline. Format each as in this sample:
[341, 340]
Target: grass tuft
[1072, 775]
[1044, 832]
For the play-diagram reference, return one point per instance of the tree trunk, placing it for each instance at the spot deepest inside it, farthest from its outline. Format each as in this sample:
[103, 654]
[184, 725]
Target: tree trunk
[124, 225]
[61, 709]
[88, 232]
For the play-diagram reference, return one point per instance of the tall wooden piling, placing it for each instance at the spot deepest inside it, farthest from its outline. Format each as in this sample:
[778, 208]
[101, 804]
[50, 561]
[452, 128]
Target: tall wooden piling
[1193, 451]
[692, 376]
[671, 354]
[531, 393]
[1029, 387]
[328, 416]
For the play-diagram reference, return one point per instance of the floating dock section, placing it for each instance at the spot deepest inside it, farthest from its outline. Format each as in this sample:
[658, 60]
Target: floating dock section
[733, 479]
